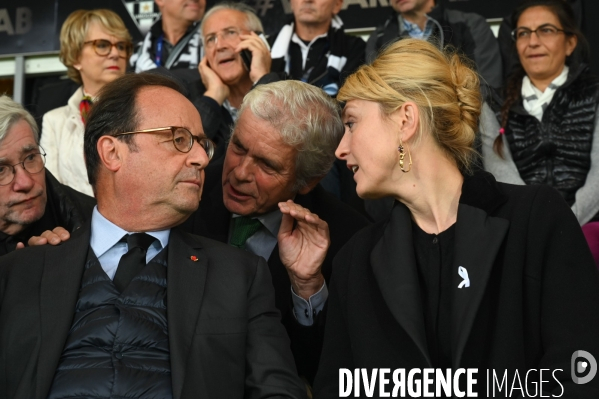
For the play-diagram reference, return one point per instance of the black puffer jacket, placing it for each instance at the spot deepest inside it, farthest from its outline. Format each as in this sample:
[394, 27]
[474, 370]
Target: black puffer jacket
[557, 151]
[65, 207]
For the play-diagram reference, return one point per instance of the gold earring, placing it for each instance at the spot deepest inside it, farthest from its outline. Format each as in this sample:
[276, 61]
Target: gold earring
[402, 154]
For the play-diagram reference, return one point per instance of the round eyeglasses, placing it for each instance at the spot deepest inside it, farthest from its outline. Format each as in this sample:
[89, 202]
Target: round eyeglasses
[33, 163]
[182, 139]
[103, 47]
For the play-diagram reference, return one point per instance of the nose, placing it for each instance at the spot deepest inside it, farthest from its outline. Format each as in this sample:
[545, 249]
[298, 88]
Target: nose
[114, 53]
[197, 157]
[243, 170]
[342, 150]
[534, 39]
[22, 182]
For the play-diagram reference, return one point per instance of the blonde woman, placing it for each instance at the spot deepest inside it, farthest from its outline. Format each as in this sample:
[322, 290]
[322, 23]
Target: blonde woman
[95, 46]
[466, 272]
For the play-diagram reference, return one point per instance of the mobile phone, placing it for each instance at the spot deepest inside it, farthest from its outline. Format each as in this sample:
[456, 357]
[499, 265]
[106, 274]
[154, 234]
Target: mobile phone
[246, 55]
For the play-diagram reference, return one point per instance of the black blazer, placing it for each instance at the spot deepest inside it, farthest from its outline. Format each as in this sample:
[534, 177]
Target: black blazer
[212, 220]
[224, 332]
[533, 298]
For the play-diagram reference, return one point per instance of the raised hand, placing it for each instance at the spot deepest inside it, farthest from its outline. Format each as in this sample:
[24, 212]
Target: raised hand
[261, 60]
[215, 88]
[303, 243]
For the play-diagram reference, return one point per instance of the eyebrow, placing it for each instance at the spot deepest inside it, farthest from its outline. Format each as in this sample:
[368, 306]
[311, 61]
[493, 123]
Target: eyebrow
[25, 149]
[269, 162]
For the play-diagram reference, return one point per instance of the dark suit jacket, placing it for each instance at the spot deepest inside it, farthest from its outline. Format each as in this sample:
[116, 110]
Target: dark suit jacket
[533, 298]
[212, 219]
[224, 332]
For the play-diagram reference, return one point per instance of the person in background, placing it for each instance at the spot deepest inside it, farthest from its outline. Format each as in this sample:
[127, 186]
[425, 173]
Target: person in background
[466, 272]
[430, 20]
[31, 200]
[173, 41]
[548, 127]
[95, 47]
[228, 29]
[314, 48]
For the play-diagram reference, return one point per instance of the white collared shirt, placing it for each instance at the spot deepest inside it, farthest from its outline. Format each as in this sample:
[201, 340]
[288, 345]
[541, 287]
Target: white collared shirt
[105, 237]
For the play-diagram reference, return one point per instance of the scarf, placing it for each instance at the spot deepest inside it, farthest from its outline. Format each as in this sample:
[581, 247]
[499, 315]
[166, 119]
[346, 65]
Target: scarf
[335, 58]
[84, 107]
[185, 54]
[535, 101]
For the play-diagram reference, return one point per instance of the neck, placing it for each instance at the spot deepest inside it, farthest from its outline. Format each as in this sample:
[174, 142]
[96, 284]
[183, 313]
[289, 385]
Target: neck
[432, 192]
[91, 88]
[239, 90]
[308, 32]
[174, 30]
[418, 16]
[542, 83]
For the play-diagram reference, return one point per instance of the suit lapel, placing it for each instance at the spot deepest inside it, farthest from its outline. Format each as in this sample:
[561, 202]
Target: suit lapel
[61, 281]
[394, 267]
[478, 240]
[187, 270]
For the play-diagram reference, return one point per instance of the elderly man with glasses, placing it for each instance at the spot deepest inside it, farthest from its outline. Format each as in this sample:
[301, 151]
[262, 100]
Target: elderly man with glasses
[31, 199]
[236, 58]
[131, 306]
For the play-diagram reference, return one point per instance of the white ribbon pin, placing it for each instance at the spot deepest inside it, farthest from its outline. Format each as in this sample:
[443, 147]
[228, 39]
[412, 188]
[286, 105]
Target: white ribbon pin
[463, 274]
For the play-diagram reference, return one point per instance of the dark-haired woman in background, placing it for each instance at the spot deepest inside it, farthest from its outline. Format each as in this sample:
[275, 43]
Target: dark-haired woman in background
[466, 272]
[548, 128]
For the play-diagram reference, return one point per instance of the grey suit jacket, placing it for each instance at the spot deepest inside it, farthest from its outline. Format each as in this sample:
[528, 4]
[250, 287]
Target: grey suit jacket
[226, 340]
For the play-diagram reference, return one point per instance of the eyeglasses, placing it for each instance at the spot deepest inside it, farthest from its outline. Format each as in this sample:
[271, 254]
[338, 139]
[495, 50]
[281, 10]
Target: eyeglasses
[103, 47]
[546, 31]
[182, 139]
[33, 163]
[226, 35]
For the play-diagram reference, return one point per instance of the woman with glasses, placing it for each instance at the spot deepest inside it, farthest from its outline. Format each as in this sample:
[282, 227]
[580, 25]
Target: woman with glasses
[546, 127]
[95, 46]
[466, 274]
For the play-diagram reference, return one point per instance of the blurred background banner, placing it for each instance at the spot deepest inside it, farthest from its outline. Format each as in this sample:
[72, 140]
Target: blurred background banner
[33, 26]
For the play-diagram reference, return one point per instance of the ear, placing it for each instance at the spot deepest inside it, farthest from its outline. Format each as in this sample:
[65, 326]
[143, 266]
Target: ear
[571, 42]
[109, 150]
[310, 186]
[337, 6]
[407, 118]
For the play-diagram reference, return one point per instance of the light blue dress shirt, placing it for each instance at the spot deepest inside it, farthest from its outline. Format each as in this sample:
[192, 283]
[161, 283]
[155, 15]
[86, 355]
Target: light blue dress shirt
[415, 31]
[105, 237]
[262, 243]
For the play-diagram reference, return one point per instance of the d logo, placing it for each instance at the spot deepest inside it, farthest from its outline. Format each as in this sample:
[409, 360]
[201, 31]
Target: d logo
[589, 364]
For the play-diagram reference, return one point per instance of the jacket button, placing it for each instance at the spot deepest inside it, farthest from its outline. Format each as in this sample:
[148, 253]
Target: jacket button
[118, 355]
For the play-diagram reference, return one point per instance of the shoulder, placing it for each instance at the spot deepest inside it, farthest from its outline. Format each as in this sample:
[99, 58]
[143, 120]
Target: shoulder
[469, 18]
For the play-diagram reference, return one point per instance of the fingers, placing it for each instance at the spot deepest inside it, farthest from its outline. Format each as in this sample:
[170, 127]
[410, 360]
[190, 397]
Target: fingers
[20, 245]
[302, 214]
[54, 237]
[261, 60]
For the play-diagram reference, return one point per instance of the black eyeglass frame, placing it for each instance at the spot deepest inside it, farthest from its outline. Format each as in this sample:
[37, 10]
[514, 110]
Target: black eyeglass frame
[207, 144]
[531, 31]
[128, 47]
[22, 163]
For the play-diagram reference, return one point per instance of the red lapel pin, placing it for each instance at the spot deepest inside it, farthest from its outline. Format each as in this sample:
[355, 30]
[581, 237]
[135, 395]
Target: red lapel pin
[194, 258]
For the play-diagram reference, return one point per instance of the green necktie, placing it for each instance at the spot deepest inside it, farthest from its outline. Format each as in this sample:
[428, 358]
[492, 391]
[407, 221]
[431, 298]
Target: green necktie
[243, 228]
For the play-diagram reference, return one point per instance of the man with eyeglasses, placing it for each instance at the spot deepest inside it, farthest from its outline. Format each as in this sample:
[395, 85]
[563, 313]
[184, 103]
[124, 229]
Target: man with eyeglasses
[236, 58]
[131, 306]
[173, 41]
[31, 199]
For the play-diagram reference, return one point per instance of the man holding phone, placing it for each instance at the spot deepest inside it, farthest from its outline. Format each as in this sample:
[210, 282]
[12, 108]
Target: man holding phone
[228, 32]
